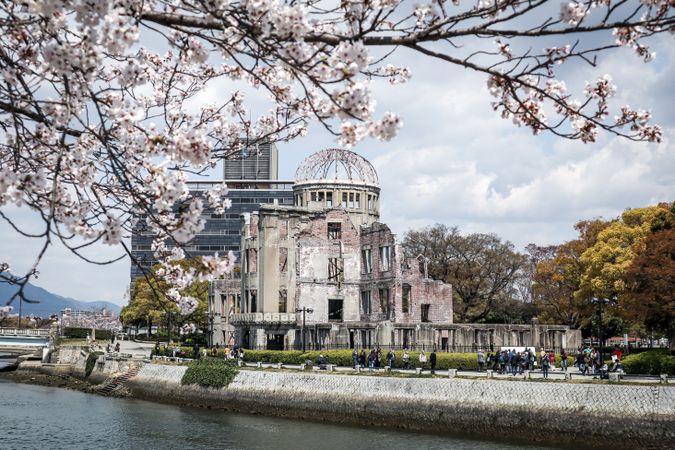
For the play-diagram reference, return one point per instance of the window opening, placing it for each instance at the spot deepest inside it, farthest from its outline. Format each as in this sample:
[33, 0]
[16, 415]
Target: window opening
[335, 310]
[405, 300]
[334, 230]
[425, 312]
[367, 260]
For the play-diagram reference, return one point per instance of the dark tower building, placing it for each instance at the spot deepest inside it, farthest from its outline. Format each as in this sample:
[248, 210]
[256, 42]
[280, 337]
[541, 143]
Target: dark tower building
[252, 180]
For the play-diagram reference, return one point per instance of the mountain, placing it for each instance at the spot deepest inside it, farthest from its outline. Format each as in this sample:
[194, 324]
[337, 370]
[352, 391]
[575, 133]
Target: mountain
[49, 303]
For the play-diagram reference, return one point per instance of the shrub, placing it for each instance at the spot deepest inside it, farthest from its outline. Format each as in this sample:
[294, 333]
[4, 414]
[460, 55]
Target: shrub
[653, 362]
[91, 362]
[210, 372]
[81, 333]
[344, 358]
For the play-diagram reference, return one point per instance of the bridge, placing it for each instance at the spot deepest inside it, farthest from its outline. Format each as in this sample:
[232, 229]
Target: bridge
[14, 338]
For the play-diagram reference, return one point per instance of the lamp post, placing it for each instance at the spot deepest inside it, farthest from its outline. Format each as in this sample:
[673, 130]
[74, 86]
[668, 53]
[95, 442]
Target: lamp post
[600, 302]
[303, 311]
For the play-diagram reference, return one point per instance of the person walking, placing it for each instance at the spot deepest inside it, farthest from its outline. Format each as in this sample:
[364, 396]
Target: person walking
[563, 360]
[355, 358]
[545, 363]
[423, 360]
[390, 359]
[406, 359]
[481, 360]
[362, 358]
[432, 360]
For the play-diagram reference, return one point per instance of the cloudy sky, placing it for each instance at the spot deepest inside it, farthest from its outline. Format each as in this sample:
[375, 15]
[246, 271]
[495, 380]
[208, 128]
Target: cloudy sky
[457, 162]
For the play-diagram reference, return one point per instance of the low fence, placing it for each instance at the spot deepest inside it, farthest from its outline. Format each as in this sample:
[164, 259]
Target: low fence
[37, 332]
[412, 347]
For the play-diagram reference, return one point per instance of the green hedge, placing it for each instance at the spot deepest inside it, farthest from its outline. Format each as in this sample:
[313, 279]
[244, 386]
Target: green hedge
[91, 362]
[344, 358]
[210, 372]
[81, 333]
[653, 362]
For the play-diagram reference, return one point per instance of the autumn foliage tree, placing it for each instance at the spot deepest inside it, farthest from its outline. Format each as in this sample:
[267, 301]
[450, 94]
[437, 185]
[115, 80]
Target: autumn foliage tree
[628, 260]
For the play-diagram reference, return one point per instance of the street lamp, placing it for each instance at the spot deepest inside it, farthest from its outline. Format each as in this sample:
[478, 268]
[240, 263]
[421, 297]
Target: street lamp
[600, 302]
[303, 311]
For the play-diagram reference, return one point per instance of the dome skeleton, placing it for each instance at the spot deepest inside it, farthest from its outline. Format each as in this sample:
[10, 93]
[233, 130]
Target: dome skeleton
[319, 165]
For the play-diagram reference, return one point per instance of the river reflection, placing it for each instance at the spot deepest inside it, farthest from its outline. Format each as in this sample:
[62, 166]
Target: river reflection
[37, 417]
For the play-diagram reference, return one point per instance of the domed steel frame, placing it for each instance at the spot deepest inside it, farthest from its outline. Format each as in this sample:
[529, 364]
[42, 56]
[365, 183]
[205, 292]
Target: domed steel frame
[345, 164]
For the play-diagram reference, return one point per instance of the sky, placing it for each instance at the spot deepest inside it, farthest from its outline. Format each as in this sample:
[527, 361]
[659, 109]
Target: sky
[456, 162]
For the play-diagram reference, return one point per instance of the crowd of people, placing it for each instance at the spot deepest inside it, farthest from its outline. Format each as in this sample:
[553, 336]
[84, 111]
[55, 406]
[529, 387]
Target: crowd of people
[374, 359]
[511, 361]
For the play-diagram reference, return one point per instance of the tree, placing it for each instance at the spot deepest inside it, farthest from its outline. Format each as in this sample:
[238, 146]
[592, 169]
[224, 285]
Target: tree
[101, 129]
[557, 277]
[481, 268]
[651, 286]
[152, 300]
[606, 262]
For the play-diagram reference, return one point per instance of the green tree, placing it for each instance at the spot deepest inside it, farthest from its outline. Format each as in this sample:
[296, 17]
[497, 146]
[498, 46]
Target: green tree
[150, 303]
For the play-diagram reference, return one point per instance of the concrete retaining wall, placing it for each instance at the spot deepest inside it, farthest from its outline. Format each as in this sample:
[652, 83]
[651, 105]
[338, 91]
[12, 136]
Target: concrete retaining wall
[645, 415]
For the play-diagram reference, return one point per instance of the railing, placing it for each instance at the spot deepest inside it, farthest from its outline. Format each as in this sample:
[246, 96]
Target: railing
[39, 332]
[262, 318]
[411, 347]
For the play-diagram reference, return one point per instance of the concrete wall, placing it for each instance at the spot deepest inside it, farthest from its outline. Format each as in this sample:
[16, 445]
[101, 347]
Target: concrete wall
[557, 413]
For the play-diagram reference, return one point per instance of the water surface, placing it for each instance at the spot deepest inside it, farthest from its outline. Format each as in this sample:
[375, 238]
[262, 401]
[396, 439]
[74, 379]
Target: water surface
[38, 417]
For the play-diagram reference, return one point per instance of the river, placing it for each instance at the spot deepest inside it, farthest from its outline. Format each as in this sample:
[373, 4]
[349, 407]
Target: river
[38, 417]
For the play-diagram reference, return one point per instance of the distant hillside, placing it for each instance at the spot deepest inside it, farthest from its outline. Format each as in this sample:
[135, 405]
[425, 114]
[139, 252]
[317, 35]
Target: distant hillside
[49, 303]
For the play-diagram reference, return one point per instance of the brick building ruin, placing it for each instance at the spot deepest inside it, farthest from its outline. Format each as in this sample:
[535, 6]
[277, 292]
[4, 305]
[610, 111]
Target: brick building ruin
[327, 261]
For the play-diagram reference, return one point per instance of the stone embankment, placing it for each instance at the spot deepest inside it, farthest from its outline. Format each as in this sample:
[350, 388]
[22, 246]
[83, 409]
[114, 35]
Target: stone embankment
[579, 414]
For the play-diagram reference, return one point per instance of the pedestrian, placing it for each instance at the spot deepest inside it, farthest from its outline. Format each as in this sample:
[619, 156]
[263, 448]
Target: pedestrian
[432, 360]
[390, 358]
[117, 347]
[423, 359]
[551, 358]
[371, 360]
[563, 360]
[545, 363]
[406, 359]
[378, 357]
[362, 358]
[481, 360]
[355, 358]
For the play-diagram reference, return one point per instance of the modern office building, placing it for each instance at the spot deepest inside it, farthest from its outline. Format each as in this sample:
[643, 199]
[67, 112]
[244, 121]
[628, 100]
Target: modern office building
[252, 179]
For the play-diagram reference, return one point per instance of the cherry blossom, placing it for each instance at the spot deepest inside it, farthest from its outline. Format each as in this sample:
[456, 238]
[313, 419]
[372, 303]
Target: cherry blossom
[107, 109]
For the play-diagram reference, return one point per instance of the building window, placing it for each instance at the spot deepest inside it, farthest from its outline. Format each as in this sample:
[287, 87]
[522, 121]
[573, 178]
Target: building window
[334, 230]
[321, 197]
[367, 260]
[283, 300]
[335, 310]
[358, 201]
[384, 301]
[365, 302]
[313, 196]
[405, 300]
[385, 258]
[253, 298]
[335, 269]
[425, 312]
[351, 200]
[344, 199]
[370, 202]
[283, 259]
[329, 199]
